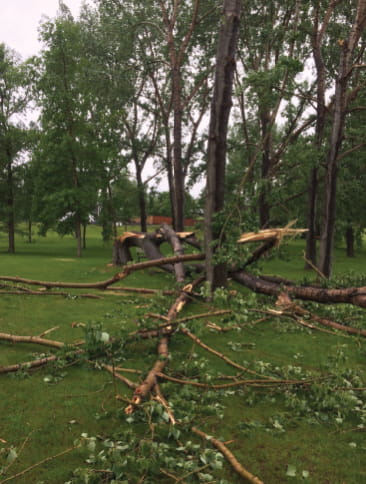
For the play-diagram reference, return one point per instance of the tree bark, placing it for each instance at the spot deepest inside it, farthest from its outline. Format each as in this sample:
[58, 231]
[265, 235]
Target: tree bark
[347, 46]
[351, 295]
[350, 242]
[217, 142]
[10, 207]
[141, 197]
[174, 241]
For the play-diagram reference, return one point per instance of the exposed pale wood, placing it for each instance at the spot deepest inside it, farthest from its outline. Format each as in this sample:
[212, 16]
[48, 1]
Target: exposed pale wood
[31, 339]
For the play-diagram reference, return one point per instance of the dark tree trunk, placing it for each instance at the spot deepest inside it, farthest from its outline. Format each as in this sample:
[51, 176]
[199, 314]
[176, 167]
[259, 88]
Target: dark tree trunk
[350, 241]
[317, 40]
[10, 209]
[29, 231]
[216, 151]
[351, 295]
[311, 223]
[178, 176]
[264, 208]
[78, 235]
[347, 46]
[84, 235]
[141, 198]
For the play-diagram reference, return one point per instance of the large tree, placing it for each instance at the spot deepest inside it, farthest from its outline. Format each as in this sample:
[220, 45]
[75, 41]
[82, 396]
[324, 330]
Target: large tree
[217, 142]
[351, 53]
[66, 159]
[14, 99]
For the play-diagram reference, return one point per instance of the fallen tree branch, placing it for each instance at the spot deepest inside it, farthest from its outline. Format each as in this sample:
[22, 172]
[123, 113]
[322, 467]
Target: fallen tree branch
[141, 290]
[285, 302]
[218, 354]
[30, 468]
[151, 379]
[126, 270]
[48, 293]
[113, 371]
[229, 456]
[255, 383]
[28, 364]
[31, 339]
[160, 398]
[352, 295]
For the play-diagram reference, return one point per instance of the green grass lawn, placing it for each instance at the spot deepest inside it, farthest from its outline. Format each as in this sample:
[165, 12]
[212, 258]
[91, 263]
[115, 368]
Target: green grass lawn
[303, 434]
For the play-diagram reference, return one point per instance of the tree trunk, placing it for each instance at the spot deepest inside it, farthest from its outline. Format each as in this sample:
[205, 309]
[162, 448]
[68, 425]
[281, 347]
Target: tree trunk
[216, 151]
[141, 197]
[317, 40]
[10, 208]
[178, 176]
[29, 231]
[345, 70]
[78, 235]
[84, 235]
[311, 223]
[264, 208]
[350, 241]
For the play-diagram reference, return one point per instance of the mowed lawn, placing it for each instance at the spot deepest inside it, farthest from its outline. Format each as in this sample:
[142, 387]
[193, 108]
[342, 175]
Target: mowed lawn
[310, 434]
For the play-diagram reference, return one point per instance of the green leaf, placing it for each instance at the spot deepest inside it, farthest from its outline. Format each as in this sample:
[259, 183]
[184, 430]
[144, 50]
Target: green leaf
[305, 474]
[11, 456]
[291, 471]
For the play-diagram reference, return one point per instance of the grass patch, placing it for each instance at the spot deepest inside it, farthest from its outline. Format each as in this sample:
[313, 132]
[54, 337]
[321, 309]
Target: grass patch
[296, 434]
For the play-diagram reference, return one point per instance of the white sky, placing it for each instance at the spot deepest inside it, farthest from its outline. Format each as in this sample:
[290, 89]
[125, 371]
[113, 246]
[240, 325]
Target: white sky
[20, 19]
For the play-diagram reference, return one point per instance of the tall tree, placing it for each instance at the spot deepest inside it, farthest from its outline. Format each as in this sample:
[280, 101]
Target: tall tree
[66, 172]
[14, 98]
[217, 142]
[351, 53]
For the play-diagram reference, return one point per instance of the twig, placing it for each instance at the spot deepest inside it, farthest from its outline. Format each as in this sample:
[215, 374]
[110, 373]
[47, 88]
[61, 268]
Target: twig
[160, 398]
[119, 377]
[313, 266]
[48, 331]
[19, 474]
[229, 456]
[220, 355]
[5, 469]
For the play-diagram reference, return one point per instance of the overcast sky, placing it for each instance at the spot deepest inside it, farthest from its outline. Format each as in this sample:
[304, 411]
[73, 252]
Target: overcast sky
[19, 22]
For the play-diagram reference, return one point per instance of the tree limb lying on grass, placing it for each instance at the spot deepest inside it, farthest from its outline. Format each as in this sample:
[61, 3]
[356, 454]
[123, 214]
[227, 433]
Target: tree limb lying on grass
[351, 295]
[229, 456]
[126, 270]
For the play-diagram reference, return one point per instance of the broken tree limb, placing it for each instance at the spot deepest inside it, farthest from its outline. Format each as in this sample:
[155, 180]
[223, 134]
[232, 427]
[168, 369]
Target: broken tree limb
[260, 383]
[31, 339]
[229, 456]
[141, 290]
[28, 365]
[113, 371]
[220, 355]
[285, 303]
[48, 293]
[170, 235]
[352, 295]
[148, 384]
[126, 271]
[269, 234]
